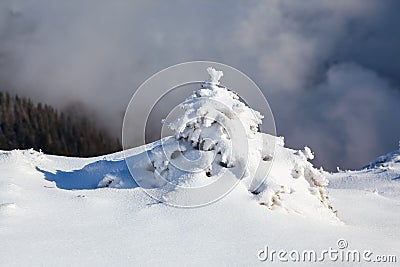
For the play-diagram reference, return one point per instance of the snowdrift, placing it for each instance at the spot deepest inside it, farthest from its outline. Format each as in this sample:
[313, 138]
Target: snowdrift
[71, 211]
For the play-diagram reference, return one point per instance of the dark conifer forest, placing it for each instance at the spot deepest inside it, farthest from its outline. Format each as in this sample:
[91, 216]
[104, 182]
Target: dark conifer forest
[25, 125]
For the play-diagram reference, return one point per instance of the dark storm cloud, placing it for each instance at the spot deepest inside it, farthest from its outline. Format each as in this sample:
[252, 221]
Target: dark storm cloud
[352, 115]
[329, 68]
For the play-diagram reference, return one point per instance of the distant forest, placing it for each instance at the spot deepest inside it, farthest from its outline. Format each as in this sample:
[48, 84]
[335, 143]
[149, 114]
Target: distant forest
[25, 125]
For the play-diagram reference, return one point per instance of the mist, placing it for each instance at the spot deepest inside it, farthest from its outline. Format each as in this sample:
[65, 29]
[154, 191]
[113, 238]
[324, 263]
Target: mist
[328, 68]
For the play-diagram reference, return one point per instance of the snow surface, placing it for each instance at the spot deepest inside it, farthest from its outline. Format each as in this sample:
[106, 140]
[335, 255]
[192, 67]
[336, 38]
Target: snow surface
[60, 211]
[45, 220]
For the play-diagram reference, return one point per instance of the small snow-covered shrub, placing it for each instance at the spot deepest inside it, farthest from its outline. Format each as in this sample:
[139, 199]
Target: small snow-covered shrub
[214, 118]
[217, 134]
[216, 124]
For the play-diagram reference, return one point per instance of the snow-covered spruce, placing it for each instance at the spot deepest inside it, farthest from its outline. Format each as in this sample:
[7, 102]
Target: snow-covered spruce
[211, 135]
[212, 116]
[219, 133]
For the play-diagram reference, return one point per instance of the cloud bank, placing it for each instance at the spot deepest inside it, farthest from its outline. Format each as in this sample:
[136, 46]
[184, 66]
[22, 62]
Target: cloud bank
[328, 68]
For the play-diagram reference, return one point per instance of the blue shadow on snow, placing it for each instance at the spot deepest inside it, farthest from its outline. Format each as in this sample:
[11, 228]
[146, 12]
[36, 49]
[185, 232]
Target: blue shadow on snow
[90, 175]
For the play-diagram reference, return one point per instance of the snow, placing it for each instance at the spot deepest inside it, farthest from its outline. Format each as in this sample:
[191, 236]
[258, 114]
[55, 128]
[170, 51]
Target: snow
[60, 211]
[215, 75]
[42, 224]
[381, 177]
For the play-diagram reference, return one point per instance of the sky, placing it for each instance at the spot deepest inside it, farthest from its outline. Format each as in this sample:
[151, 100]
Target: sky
[329, 69]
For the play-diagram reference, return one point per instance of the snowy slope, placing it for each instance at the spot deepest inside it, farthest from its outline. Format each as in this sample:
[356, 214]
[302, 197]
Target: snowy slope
[382, 177]
[42, 223]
